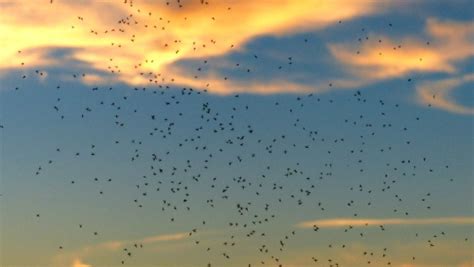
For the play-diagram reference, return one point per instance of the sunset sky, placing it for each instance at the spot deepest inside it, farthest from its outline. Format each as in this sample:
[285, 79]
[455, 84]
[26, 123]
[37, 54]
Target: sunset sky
[343, 129]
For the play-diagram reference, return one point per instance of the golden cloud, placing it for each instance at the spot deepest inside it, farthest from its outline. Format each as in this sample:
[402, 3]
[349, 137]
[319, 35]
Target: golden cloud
[139, 42]
[437, 94]
[79, 263]
[383, 58]
[345, 222]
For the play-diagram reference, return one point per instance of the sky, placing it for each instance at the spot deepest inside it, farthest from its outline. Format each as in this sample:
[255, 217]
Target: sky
[236, 133]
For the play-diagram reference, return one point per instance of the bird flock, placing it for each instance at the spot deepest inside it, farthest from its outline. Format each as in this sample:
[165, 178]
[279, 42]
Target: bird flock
[238, 172]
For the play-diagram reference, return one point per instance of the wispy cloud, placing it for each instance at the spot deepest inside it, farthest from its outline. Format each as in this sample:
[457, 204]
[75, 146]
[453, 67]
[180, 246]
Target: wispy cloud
[114, 245]
[438, 94]
[371, 222]
[144, 47]
[383, 58]
[75, 258]
[150, 38]
[160, 238]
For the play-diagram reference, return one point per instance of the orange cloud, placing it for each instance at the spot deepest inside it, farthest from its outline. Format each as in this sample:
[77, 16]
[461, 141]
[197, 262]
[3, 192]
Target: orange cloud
[437, 94]
[79, 263]
[345, 222]
[383, 58]
[219, 86]
[138, 43]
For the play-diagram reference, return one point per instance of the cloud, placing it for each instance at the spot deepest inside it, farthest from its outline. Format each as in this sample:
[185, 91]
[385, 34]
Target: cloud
[370, 222]
[139, 43]
[142, 44]
[75, 258]
[216, 85]
[160, 238]
[383, 58]
[437, 94]
[78, 263]
[114, 245]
